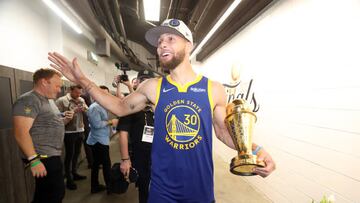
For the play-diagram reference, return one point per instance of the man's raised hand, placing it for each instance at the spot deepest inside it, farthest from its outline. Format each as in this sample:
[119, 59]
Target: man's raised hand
[70, 69]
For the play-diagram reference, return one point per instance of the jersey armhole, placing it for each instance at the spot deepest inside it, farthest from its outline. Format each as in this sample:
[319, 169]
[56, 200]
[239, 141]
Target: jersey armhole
[158, 88]
[210, 95]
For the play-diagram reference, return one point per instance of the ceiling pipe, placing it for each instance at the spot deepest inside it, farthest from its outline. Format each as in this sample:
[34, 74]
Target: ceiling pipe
[107, 24]
[170, 7]
[82, 8]
[96, 8]
[203, 13]
[130, 8]
[110, 20]
[115, 26]
[177, 8]
[198, 9]
[118, 20]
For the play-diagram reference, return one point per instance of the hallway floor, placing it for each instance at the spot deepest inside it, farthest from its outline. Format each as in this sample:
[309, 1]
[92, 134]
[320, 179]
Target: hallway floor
[226, 190]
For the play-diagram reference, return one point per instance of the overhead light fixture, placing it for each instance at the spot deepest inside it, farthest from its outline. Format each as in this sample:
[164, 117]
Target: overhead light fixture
[62, 15]
[216, 26]
[152, 10]
[91, 56]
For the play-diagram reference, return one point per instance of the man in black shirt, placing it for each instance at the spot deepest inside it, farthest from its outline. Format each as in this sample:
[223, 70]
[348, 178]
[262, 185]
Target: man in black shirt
[138, 128]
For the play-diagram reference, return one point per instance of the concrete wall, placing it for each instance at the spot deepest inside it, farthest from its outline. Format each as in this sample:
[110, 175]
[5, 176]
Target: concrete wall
[29, 30]
[303, 59]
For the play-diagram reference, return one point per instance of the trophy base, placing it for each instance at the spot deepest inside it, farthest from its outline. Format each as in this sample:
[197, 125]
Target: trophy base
[244, 166]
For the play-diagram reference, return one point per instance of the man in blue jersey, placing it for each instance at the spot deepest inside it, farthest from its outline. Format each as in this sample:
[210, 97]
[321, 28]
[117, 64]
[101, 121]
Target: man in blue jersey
[184, 104]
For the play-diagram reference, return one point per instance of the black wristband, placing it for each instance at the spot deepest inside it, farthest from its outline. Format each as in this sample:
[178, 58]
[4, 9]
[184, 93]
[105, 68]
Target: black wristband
[26, 161]
[37, 157]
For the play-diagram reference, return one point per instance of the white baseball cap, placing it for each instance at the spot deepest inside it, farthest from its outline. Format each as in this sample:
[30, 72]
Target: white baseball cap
[173, 26]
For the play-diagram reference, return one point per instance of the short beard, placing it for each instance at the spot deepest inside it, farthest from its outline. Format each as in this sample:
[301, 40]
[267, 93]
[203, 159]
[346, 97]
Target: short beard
[174, 62]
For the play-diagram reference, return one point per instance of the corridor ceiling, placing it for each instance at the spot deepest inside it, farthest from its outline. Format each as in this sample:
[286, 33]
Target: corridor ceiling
[123, 20]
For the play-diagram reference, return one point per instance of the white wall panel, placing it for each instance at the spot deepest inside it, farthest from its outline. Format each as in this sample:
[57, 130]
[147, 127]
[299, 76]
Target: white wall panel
[303, 59]
[29, 30]
[27, 33]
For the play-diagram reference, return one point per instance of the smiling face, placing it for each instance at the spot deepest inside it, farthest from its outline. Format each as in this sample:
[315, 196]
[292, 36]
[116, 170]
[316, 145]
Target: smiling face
[172, 50]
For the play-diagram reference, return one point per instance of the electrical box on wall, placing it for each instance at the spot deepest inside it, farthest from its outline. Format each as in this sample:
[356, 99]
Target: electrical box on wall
[102, 47]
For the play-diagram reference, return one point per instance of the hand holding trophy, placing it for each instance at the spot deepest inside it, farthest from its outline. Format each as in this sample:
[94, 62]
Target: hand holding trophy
[239, 122]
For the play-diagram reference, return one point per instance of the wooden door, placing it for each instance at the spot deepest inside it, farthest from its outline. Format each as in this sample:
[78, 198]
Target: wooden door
[17, 185]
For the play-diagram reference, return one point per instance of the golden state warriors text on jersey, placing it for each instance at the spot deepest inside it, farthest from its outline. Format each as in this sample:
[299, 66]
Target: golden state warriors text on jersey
[182, 124]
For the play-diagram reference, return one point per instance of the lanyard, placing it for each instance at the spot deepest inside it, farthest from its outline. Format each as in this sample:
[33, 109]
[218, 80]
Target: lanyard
[145, 117]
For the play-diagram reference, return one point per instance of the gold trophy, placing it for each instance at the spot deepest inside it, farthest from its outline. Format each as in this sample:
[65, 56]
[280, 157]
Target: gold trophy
[240, 121]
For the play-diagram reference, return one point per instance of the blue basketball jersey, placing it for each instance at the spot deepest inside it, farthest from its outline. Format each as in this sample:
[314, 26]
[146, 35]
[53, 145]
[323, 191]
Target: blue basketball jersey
[182, 166]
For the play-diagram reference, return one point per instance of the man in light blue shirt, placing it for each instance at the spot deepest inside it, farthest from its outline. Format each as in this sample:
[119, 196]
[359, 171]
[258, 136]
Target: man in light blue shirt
[99, 138]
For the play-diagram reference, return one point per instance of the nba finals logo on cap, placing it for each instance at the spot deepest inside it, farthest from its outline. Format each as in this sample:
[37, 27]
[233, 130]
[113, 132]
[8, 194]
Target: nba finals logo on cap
[182, 124]
[174, 22]
[169, 26]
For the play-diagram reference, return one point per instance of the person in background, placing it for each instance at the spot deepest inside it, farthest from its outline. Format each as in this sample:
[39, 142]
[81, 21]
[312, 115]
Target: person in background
[87, 148]
[39, 132]
[131, 86]
[134, 127]
[74, 133]
[99, 138]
